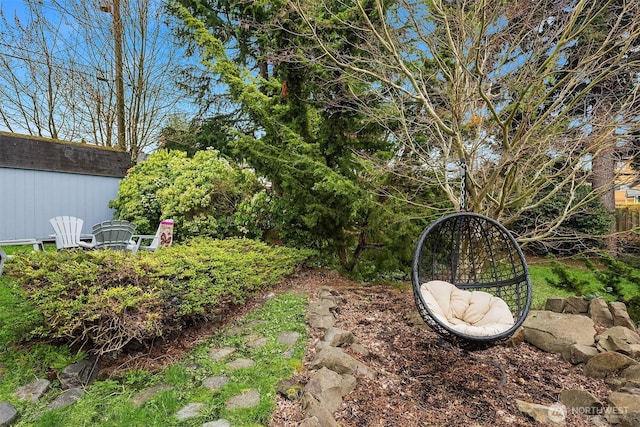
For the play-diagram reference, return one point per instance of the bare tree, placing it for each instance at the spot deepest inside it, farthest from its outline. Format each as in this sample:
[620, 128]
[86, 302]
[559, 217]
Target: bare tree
[33, 83]
[57, 75]
[486, 81]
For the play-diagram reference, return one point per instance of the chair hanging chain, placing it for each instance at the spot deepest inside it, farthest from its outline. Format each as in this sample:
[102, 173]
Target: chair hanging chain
[463, 186]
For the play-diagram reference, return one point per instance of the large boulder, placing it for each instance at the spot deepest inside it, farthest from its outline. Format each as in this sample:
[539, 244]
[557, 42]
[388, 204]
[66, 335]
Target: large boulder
[335, 359]
[620, 315]
[326, 386]
[623, 408]
[553, 332]
[607, 364]
[618, 338]
[576, 305]
[599, 312]
[579, 353]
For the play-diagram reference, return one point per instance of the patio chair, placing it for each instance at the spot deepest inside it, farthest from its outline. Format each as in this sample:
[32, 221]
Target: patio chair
[68, 232]
[163, 237]
[115, 234]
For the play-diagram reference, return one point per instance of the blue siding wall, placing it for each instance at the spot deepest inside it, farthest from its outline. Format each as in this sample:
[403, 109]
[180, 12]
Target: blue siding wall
[28, 198]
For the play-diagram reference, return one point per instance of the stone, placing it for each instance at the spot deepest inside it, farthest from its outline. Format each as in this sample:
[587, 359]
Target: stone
[325, 386]
[617, 338]
[320, 315]
[8, 414]
[323, 322]
[630, 376]
[554, 414]
[288, 353]
[630, 390]
[69, 397]
[614, 383]
[414, 319]
[623, 333]
[607, 364]
[310, 422]
[576, 305]
[79, 374]
[192, 410]
[359, 349]
[218, 423]
[337, 337]
[33, 392]
[623, 407]
[217, 354]
[288, 338]
[620, 315]
[314, 409]
[555, 304]
[332, 294]
[599, 312]
[248, 399]
[146, 395]
[579, 353]
[241, 364]
[289, 389]
[215, 383]
[581, 402]
[322, 307]
[635, 350]
[335, 359]
[516, 338]
[321, 345]
[348, 384]
[256, 341]
[552, 332]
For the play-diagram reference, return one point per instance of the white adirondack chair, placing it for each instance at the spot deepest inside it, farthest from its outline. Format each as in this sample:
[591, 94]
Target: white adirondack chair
[68, 231]
[157, 240]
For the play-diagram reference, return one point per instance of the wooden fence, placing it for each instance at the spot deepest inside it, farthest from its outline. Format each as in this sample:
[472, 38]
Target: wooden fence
[627, 219]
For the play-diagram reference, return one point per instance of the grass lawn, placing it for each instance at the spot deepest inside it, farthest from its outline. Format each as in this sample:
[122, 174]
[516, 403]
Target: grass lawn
[110, 402]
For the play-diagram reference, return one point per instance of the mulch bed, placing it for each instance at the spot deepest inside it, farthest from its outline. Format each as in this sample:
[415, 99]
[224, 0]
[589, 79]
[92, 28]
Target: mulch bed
[423, 381]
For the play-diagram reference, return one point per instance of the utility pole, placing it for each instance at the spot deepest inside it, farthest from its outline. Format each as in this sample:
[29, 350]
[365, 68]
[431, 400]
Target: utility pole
[117, 37]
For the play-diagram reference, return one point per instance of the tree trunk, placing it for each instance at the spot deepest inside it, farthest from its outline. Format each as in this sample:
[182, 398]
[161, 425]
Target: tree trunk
[603, 178]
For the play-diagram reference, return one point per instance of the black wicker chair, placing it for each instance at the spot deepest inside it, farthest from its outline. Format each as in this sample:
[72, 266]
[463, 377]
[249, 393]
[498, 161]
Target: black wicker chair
[472, 252]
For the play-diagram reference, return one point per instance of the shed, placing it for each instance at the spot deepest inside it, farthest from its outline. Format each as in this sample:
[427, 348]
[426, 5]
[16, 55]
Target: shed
[41, 178]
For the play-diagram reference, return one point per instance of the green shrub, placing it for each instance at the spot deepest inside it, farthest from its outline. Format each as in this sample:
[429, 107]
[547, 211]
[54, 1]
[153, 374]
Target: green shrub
[620, 280]
[201, 194]
[579, 233]
[106, 299]
[566, 279]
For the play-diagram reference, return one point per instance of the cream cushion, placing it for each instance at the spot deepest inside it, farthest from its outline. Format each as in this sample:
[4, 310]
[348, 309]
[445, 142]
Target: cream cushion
[474, 313]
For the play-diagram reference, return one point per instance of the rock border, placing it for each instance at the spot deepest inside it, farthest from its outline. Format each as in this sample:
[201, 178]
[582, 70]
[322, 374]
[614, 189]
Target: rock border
[602, 338]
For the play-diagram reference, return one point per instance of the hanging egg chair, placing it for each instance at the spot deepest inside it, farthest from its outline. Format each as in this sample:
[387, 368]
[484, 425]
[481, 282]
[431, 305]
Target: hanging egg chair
[470, 279]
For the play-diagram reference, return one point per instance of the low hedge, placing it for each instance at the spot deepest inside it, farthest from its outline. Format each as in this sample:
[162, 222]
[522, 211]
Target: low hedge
[105, 300]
